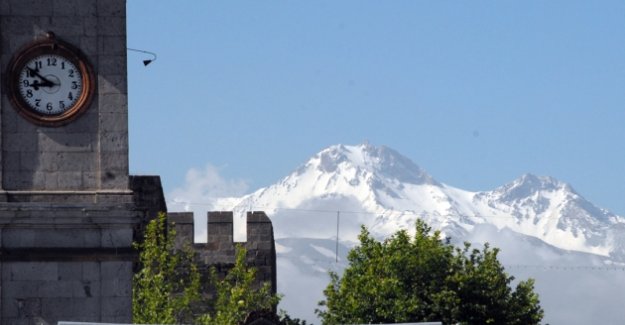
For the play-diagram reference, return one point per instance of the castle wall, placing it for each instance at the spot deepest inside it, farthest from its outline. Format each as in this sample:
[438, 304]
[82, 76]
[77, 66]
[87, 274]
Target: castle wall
[219, 251]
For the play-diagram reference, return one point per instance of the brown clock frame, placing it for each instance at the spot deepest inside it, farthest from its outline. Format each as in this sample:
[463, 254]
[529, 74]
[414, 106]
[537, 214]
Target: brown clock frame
[54, 46]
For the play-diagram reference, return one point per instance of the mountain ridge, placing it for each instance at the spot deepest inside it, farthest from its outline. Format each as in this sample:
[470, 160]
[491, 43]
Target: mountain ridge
[392, 191]
[545, 229]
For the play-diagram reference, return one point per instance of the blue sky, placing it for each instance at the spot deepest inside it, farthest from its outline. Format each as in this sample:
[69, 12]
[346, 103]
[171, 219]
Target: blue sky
[477, 93]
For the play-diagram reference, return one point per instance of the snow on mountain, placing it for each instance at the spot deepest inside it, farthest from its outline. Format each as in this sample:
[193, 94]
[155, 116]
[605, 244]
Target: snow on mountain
[386, 191]
[552, 211]
[541, 224]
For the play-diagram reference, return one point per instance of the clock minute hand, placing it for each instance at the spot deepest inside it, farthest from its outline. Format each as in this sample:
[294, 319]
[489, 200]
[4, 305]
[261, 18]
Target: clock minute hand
[47, 83]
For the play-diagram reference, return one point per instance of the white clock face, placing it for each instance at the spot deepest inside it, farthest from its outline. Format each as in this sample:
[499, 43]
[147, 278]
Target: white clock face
[50, 84]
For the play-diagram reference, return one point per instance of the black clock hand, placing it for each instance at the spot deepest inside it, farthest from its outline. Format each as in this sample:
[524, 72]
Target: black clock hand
[44, 79]
[36, 84]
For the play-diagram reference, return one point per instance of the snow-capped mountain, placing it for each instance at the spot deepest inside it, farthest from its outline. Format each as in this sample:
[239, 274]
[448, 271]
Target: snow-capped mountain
[545, 229]
[386, 191]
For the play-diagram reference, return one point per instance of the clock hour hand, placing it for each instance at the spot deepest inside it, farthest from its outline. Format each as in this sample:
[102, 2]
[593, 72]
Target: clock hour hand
[36, 84]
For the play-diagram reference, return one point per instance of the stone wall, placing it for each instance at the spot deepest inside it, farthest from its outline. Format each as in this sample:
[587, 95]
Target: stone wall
[148, 198]
[219, 251]
[66, 262]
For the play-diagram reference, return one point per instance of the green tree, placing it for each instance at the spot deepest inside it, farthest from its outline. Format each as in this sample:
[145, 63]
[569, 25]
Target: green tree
[167, 288]
[168, 282]
[236, 295]
[424, 278]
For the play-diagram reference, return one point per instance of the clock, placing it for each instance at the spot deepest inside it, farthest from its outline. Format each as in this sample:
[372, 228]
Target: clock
[50, 82]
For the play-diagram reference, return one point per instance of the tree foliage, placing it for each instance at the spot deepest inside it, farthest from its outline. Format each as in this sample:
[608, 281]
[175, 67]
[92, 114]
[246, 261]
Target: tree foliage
[424, 278]
[167, 289]
[168, 282]
[236, 295]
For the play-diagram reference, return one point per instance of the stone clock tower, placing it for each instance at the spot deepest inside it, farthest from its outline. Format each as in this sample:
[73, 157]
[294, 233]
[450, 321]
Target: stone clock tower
[68, 208]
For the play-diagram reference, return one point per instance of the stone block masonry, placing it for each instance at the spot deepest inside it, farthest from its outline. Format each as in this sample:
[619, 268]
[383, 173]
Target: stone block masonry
[68, 213]
[72, 260]
[66, 262]
[91, 153]
[219, 250]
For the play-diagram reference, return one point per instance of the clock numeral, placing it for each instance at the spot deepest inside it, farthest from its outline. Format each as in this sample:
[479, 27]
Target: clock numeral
[71, 73]
[38, 65]
[49, 106]
[37, 102]
[70, 96]
[62, 65]
[52, 62]
[25, 82]
[61, 104]
[74, 85]
[29, 93]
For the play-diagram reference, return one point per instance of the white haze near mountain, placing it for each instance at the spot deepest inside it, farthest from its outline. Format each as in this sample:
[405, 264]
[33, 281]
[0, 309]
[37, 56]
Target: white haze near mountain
[546, 230]
[206, 190]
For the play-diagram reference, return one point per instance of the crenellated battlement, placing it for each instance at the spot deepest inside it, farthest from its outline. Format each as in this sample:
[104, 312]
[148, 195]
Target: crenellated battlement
[219, 250]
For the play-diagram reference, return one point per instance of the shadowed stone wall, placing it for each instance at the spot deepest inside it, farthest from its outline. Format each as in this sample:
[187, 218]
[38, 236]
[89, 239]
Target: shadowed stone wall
[219, 251]
[73, 262]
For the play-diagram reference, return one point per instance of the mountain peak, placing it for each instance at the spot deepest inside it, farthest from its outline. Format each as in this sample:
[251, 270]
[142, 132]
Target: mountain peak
[530, 184]
[381, 161]
[535, 182]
